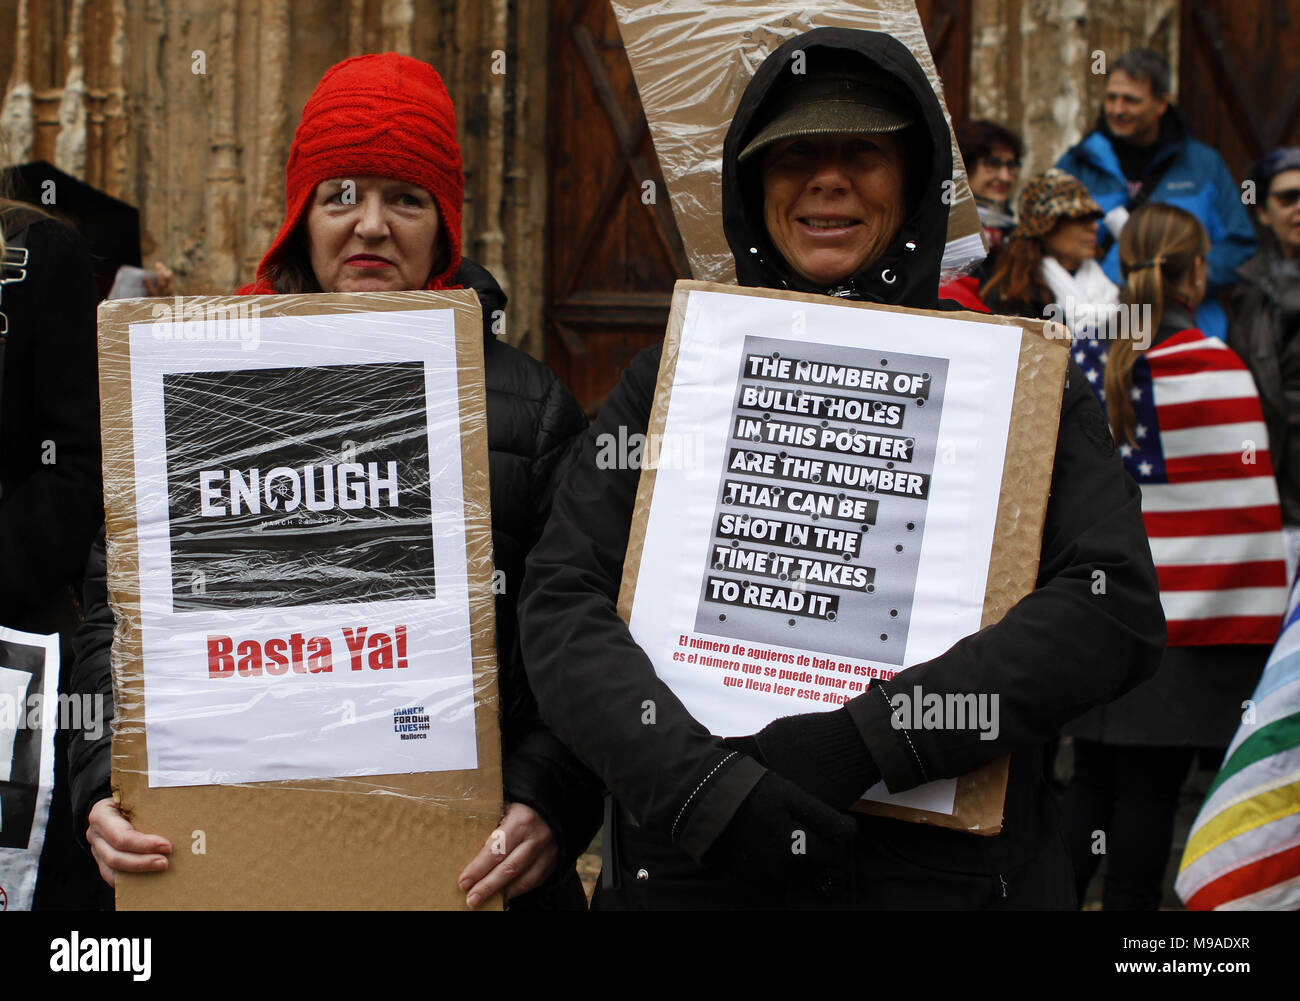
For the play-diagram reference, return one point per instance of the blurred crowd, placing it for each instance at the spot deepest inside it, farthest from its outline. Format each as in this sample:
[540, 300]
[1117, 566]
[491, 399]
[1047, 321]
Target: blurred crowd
[1057, 246]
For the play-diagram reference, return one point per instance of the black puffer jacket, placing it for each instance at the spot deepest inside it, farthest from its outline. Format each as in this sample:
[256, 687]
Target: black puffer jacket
[532, 421]
[50, 496]
[1062, 649]
[50, 501]
[1263, 324]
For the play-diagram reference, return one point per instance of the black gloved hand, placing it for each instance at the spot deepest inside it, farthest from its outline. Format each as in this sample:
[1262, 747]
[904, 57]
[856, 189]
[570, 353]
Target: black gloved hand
[822, 753]
[789, 848]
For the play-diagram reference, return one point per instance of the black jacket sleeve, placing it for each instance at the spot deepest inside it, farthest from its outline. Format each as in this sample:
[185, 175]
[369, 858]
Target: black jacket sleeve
[540, 771]
[50, 457]
[90, 760]
[595, 686]
[1091, 630]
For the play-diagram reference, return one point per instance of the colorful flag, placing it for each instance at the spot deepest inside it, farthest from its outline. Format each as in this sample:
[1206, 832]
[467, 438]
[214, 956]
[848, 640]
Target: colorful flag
[1243, 851]
[1209, 498]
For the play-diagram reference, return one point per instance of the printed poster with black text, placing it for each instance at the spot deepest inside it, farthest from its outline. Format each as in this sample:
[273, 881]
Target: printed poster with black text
[303, 582]
[824, 505]
[29, 718]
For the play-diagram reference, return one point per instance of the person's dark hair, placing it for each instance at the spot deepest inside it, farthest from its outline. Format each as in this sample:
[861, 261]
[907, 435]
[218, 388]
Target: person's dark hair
[1270, 165]
[1017, 279]
[976, 140]
[1145, 64]
[293, 273]
[10, 203]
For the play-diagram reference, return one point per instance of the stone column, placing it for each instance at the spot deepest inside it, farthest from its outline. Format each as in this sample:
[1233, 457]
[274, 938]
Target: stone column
[18, 113]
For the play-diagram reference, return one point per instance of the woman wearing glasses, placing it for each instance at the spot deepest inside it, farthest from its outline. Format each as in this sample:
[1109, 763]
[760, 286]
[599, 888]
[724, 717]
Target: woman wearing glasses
[992, 155]
[1264, 312]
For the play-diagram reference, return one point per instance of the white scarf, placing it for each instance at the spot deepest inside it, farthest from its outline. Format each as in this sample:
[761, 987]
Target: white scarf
[1087, 299]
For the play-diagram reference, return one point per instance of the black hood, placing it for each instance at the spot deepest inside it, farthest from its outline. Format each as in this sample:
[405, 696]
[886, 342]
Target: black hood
[907, 274]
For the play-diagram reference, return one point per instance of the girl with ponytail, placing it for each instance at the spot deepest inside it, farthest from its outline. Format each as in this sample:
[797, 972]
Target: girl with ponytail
[1162, 254]
[1186, 417]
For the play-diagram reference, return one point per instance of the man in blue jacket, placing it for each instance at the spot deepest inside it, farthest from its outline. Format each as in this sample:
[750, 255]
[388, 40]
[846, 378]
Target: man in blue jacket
[1141, 151]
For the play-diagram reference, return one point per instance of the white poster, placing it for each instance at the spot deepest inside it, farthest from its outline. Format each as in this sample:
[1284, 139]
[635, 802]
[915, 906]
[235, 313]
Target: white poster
[824, 505]
[303, 584]
[29, 705]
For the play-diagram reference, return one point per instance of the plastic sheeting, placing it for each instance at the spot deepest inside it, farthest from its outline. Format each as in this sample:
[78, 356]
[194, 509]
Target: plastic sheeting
[300, 565]
[692, 60]
[728, 472]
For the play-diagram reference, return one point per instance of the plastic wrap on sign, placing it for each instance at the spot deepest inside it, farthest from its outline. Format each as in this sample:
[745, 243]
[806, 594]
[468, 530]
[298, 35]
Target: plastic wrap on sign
[867, 488]
[300, 566]
[692, 60]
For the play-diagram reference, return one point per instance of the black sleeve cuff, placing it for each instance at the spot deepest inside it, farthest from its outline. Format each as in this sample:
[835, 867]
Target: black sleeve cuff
[891, 748]
[541, 773]
[715, 800]
[90, 784]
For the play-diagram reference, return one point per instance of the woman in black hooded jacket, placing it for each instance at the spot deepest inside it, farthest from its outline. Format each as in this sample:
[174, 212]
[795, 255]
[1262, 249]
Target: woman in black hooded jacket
[697, 821]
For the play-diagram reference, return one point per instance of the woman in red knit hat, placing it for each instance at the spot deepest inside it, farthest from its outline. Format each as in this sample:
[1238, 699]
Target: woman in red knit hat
[374, 189]
[378, 130]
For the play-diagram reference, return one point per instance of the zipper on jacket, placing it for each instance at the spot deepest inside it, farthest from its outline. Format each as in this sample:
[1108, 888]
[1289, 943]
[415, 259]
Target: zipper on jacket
[609, 875]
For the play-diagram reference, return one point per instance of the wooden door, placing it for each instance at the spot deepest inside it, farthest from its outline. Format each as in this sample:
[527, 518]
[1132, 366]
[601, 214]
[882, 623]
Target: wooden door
[947, 29]
[1239, 76]
[611, 257]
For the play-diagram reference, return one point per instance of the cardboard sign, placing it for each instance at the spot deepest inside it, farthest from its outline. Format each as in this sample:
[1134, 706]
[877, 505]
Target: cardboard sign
[299, 559]
[692, 60]
[838, 491]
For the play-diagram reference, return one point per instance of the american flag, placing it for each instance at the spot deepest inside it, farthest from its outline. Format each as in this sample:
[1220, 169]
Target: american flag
[1209, 498]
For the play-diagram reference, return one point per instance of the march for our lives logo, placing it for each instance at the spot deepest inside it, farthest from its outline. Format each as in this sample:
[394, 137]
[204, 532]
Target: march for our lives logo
[411, 723]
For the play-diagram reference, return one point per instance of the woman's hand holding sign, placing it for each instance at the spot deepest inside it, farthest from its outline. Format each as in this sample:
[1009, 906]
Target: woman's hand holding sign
[119, 847]
[517, 857]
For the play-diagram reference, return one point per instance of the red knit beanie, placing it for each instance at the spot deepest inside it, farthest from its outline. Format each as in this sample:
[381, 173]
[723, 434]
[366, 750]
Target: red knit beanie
[379, 115]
